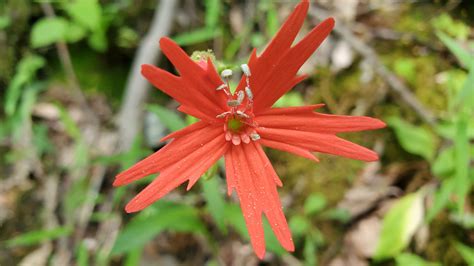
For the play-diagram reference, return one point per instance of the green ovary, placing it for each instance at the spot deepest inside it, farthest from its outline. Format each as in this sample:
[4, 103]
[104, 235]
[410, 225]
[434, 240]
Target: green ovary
[234, 125]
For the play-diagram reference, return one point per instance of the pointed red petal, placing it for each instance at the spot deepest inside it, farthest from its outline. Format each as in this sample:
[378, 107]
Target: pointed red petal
[325, 143]
[296, 110]
[262, 66]
[255, 178]
[169, 154]
[194, 76]
[249, 201]
[281, 78]
[288, 148]
[230, 173]
[190, 167]
[269, 200]
[177, 88]
[317, 122]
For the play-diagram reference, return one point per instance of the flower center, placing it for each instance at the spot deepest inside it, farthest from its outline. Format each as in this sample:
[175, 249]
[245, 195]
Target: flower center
[238, 120]
[234, 125]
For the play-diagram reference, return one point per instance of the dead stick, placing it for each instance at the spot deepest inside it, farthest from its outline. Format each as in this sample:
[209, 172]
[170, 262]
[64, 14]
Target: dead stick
[136, 89]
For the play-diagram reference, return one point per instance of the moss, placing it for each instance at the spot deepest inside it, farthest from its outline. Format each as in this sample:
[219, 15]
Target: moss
[443, 235]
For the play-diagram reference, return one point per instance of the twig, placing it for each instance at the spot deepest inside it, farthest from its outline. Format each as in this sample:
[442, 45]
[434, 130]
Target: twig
[371, 56]
[136, 90]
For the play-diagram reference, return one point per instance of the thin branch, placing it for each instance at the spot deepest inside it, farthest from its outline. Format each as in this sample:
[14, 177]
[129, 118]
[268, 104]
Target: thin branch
[136, 90]
[371, 56]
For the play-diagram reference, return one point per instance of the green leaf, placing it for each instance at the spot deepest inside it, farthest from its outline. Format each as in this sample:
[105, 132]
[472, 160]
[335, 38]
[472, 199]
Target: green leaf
[466, 252]
[309, 252]
[465, 97]
[87, 13]
[299, 225]
[463, 56]
[36, 237]
[213, 8]
[133, 257]
[98, 41]
[443, 165]
[170, 119]
[413, 260]
[462, 161]
[196, 36]
[441, 198]
[414, 139]
[314, 203]
[399, 225]
[214, 201]
[272, 19]
[5, 21]
[82, 255]
[337, 214]
[74, 33]
[25, 73]
[47, 31]
[290, 99]
[164, 215]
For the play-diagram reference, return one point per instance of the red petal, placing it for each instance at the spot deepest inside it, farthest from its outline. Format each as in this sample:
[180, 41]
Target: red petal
[281, 78]
[229, 169]
[317, 122]
[257, 192]
[261, 66]
[170, 154]
[202, 81]
[297, 110]
[288, 148]
[325, 143]
[177, 88]
[190, 167]
[249, 201]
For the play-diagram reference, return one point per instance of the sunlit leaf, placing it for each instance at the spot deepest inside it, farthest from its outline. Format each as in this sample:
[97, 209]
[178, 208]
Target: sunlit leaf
[443, 165]
[413, 260]
[25, 73]
[196, 36]
[441, 198]
[88, 13]
[47, 31]
[74, 33]
[399, 225]
[213, 8]
[290, 99]
[416, 140]
[462, 161]
[463, 56]
[314, 204]
[299, 225]
[36, 237]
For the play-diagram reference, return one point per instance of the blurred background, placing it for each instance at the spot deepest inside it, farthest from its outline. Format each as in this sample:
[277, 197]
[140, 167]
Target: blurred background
[75, 111]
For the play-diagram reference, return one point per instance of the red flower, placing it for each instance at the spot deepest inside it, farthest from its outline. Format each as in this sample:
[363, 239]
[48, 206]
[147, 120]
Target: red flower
[237, 125]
